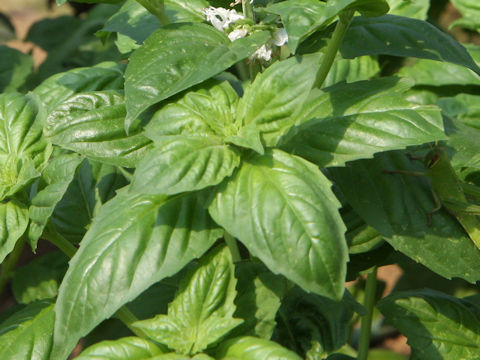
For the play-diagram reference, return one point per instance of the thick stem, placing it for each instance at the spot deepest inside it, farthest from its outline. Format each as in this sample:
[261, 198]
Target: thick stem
[9, 263]
[368, 303]
[333, 46]
[123, 314]
[233, 246]
[247, 10]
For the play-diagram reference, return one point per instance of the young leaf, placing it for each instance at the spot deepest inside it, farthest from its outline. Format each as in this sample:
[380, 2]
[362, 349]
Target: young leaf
[23, 150]
[179, 164]
[282, 208]
[202, 311]
[273, 99]
[134, 241]
[251, 348]
[40, 278]
[351, 121]
[27, 334]
[179, 56]
[417, 9]
[207, 109]
[127, 348]
[397, 206]
[92, 124]
[402, 36]
[470, 11]
[13, 223]
[58, 175]
[59, 87]
[15, 67]
[437, 326]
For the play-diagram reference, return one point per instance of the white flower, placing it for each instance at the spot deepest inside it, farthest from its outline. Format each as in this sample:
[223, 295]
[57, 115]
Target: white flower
[221, 18]
[238, 34]
[264, 53]
[280, 37]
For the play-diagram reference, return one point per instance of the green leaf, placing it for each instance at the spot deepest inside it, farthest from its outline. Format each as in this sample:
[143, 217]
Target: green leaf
[94, 184]
[61, 2]
[202, 311]
[437, 326]
[434, 73]
[282, 208]
[134, 241]
[40, 278]
[92, 125]
[23, 150]
[416, 9]
[258, 299]
[353, 121]
[320, 325]
[470, 11]
[350, 70]
[15, 66]
[251, 348]
[13, 223]
[58, 175]
[180, 164]
[27, 334]
[206, 109]
[127, 348]
[7, 30]
[178, 56]
[397, 206]
[59, 87]
[402, 36]
[50, 33]
[273, 99]
[302, 17]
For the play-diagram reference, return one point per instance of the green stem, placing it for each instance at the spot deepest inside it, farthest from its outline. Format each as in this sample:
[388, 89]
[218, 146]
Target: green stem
[333, 46]
[123, 314]
[242, 69]
[9, 263]
[157, 8]
[369, 303]
[247, 10]
[233, 246]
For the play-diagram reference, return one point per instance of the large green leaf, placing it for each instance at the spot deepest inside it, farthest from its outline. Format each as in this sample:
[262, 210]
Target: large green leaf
[180, 164]
[251, 348]
[353, 121]
[402, 36]
[202, 311]
[15, 66]
[397, 206]
[27, 334]
[302, 17]
[282, 208]
[351, 70]
[59, 87]
[272, 100]
[40, 278]
[94, 184]
[127, 348]
[23, 149]
[92, 124]
[58, 175]
[134, 241]
[437, 326]
[13, 223]
[178, 56]
[417, 9]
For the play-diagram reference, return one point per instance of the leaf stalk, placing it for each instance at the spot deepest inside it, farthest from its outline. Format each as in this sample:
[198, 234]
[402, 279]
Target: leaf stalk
[368, 303]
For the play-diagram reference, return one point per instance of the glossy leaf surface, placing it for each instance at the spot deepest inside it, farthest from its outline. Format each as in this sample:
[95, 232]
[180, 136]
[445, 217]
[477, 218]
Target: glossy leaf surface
[251, 348]
[437, 325]
[177, 57]
[134, 241]
[202, 311]
[282, 208]
[13, 223]
[15, 66]
[92, 125]
[127, 348]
